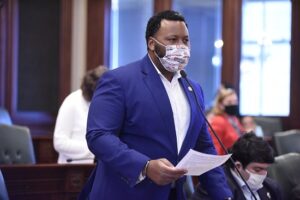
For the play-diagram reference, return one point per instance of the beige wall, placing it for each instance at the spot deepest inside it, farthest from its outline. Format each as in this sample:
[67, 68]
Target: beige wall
[78, 54]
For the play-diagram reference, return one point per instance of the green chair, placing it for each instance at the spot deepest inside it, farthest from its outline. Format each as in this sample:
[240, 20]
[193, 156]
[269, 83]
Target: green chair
[286, 172]
[16, 145]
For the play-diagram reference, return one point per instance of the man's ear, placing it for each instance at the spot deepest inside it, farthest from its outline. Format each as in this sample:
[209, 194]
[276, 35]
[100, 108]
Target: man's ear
[151, 44]
[238, 165]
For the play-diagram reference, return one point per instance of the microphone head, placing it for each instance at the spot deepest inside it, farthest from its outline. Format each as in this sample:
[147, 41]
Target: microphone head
[183, 74]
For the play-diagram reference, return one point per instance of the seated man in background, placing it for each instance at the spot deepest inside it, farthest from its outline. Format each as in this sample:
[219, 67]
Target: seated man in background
[252, 156]
[250, 124]
[70, 128]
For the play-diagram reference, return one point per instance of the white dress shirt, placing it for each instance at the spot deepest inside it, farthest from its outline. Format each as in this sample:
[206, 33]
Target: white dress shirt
[180, 108]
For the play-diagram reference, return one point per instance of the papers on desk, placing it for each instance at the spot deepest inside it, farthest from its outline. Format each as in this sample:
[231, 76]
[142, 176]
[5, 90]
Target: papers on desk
[198, 163]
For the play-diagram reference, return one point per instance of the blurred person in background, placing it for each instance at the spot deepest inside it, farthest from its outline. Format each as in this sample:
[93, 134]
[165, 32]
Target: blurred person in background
[249, 124]
[251, 156]
[70, 128]
[224, 118]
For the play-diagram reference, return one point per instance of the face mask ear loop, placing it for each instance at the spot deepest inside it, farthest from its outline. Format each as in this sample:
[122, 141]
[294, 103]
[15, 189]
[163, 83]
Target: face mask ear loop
[158, 42]
[155, 51]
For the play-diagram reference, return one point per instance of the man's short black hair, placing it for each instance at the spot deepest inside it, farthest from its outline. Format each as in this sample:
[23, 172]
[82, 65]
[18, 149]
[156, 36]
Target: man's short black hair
[250, 148]
[153, 24]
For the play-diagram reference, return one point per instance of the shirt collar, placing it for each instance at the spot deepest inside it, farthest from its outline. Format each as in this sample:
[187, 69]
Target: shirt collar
[238, 179]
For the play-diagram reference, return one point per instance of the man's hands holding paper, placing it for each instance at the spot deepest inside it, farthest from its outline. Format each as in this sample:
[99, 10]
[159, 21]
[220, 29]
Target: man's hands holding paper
[198, 163]
[163, 172]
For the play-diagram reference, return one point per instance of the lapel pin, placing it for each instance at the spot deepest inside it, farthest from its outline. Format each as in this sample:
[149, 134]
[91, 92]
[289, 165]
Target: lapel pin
[269, 195]
[190, 89]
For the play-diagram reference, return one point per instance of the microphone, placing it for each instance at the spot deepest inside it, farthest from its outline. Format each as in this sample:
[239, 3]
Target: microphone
[184, 76]
[79, 159]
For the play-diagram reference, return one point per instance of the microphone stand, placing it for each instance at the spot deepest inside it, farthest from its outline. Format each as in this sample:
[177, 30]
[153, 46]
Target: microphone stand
[184, 76]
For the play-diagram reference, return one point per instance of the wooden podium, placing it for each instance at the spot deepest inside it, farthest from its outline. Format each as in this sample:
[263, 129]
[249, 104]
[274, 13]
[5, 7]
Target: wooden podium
[45, 181]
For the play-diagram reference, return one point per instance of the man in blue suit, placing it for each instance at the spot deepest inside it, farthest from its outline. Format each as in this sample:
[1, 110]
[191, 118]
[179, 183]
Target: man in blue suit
[144, 118]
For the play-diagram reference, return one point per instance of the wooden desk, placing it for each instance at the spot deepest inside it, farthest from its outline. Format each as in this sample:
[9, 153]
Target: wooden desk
[45, 181]
[44, 150]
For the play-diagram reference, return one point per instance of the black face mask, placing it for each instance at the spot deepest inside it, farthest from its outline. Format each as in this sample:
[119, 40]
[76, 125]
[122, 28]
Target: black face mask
[232, 110]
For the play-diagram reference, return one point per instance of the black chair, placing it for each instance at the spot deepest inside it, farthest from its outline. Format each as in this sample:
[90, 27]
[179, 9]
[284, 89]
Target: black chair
[287, 141]
[16, 145]
[3, 190]
[5, 117]
[270, 125]
[286, 171]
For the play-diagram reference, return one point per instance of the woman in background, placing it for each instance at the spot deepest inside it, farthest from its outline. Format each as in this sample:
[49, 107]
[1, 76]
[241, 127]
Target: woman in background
[224, 119]
[70, 128]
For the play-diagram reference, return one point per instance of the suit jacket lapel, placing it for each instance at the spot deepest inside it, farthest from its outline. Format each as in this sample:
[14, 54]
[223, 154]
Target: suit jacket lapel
[264, 194]
[157, 89]
[194, 111]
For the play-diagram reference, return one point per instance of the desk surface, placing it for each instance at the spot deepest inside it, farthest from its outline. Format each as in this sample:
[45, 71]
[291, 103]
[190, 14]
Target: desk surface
[45, 181]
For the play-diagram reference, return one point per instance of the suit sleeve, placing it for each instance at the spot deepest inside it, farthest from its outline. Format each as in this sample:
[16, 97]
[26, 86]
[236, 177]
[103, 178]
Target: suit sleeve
[214, 181]
[105, 120]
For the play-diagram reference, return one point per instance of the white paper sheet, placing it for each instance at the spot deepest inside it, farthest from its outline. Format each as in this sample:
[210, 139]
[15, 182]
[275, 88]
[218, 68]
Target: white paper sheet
[198, 163]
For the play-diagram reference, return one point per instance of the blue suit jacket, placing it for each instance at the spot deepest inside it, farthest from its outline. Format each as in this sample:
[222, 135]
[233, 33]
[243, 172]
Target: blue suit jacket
[130, 121]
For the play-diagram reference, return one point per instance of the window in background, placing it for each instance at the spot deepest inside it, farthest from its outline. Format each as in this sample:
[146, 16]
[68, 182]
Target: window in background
[204, 19]
[128, 25]
[265, 59]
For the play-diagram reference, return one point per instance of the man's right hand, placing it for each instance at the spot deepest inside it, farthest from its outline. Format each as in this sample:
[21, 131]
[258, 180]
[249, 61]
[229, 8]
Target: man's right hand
[163, 172]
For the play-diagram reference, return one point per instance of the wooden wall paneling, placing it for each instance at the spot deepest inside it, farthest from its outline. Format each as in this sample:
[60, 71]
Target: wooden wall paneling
[231, 34]
[65, 49]
[3, 16]
[10, 65]
[161, 5]
[293, 121]
[44, 149]
[98, 26]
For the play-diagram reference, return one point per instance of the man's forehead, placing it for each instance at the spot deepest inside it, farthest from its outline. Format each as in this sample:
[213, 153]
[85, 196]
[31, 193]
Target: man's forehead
[167, 23]
[172, 26]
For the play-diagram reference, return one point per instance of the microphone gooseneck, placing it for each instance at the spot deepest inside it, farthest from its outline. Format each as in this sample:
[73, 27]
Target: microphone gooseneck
[184, 76]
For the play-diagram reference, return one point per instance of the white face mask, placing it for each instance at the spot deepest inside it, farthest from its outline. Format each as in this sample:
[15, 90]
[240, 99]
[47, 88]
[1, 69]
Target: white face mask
[255, 180]
[176, 57]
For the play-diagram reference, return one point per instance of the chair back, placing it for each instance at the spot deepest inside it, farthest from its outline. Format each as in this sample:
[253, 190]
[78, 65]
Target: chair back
[16, 145]
[3, 190]
[287, 141]
[270, 125]
[286, 171]
[5, 117]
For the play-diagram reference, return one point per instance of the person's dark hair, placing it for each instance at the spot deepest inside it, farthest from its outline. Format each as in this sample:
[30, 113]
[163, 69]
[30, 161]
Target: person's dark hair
[89, 81]
[250, 148]
[153, 24]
